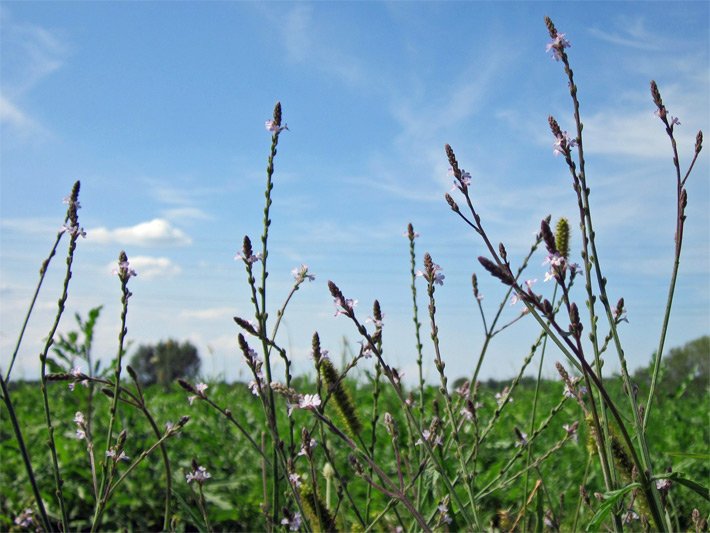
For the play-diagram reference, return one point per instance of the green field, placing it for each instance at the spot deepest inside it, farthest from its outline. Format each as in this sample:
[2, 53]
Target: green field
[678, 433]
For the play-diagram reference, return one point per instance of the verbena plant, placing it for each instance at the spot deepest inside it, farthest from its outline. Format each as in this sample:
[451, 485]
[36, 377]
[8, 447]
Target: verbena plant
[343, 466]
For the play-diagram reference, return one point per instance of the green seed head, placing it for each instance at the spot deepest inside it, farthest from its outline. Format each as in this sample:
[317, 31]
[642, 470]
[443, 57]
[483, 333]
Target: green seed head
[562, 237]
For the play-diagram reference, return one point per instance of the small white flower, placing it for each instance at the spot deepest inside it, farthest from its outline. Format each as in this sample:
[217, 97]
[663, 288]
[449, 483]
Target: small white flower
[309, 401]
[121, 457]
[300, 274]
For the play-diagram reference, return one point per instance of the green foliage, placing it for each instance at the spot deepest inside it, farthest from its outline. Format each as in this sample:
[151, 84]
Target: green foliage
[166, 361]
[685, 370]
[234, 494]
[76, 345]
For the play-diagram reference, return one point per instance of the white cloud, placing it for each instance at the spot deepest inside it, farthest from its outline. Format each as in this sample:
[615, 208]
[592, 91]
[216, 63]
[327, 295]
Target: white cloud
[156, 232]
[151, 267]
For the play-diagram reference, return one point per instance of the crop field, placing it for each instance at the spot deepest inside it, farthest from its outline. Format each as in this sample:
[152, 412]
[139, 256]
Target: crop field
[234, 494]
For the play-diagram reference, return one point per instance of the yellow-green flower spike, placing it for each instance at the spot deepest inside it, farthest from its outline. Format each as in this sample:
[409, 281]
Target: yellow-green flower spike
[341, 397]
[562, 237]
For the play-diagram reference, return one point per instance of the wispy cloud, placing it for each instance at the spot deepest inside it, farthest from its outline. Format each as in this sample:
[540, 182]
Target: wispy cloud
[186, 213]
[30, 54]
[156, 232]
[302, 47]
[212, 313]
[17, 121]
[31, 226]
[632, 33]
[149, 267]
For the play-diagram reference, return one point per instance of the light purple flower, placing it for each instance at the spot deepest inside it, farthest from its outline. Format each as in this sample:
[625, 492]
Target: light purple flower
[293, 523]
[571, 430]
[201, 388]
[74, 231]
[80, 421]
[295, 479]
[239, 256]
[438, 277]
[343, 306]
[200, 475]
[563, 143]
[309, 401]
[120, 457]
[443, 508]
[68, 201]
[301, 274]
[432, 438]
[502, 396]
[377, 323]
[124, 269]
[25, 519]
[254, 387]
[307, 447]
[558, 44]
[76, 372]
[663, 484]
[271, 126]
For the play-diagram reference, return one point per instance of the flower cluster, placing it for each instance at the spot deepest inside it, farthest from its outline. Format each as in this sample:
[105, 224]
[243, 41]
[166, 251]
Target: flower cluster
[563, 142]
[198, 474]
[503, 396]
[25, 519]
[273, 127]
[301, 274]
[255, 364]
[200, 389]
[291, 520]
[79, 377]
[72, 229]
[558, 44]
[432, 272]
[461, 183]
[124, 270]
[80, 421]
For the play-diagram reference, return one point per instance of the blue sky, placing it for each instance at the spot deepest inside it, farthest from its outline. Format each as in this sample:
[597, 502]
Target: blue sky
[159, 109]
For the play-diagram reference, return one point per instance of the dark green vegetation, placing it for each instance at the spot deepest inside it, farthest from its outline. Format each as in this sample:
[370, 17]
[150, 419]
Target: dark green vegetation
[166, 361]
[678, 432]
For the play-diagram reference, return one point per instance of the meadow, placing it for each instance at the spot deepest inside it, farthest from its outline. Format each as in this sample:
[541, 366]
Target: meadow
[91, 448]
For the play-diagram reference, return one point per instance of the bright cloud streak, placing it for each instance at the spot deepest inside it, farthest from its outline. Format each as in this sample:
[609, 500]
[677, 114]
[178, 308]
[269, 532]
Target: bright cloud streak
[156, 232]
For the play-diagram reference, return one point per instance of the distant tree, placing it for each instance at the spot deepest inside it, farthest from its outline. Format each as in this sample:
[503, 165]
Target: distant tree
[686, 368]
[166, 361]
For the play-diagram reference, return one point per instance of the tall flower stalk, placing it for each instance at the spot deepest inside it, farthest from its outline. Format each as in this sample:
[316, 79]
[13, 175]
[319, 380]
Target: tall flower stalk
[71, 227]
[124, 273]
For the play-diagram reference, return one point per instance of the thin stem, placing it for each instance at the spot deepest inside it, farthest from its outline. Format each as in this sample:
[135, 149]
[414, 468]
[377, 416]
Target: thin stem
[124, 273]
[46, 524]
[59, 482]
[42, 274]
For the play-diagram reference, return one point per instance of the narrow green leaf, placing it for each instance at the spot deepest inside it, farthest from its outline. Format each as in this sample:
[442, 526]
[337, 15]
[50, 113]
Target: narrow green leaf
[610, 500]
